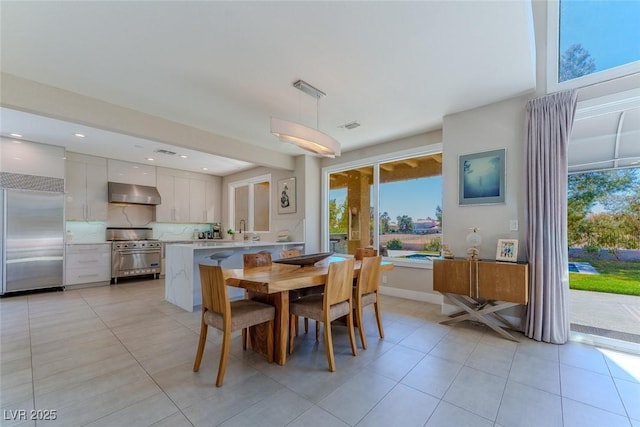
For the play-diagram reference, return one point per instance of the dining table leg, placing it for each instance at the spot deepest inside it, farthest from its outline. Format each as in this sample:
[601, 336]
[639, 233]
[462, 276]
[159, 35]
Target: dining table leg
[280, 300]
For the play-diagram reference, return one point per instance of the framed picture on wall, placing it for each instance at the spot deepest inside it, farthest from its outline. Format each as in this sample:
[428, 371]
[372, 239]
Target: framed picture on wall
[481, 178]
[287, 196]
[507, 250]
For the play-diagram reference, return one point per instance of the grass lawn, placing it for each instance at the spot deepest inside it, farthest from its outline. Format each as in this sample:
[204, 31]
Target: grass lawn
[616, 277]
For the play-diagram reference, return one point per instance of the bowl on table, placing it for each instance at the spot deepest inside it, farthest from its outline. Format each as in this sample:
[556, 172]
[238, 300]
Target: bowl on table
[308, 259]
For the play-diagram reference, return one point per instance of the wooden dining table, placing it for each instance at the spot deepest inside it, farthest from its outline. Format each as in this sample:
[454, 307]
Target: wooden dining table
[271, 284]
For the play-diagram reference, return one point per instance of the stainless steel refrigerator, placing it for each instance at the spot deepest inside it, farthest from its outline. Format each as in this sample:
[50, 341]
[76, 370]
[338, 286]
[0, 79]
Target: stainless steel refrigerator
[32, 245]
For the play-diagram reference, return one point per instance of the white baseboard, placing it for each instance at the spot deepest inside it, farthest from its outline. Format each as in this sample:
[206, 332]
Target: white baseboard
[412, 295]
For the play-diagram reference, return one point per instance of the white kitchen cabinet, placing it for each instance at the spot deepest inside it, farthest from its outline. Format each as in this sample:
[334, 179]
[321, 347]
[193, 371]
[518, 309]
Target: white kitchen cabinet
[87, 263]
[188, 197]
[86, 188]
[204, 199]
[197, 201]
[31, 158]
[213, 199]
[174, 192]
[131, 173]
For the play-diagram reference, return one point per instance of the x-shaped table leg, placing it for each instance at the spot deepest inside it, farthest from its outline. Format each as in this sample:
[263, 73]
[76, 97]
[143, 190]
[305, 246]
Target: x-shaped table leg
[482, 313]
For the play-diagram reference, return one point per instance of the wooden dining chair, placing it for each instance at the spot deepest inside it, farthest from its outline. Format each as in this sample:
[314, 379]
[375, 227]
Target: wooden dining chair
[364, 252]
[335, 303]
[366, 293]
[251, 260]
[258, 259]
[228, 316]
[299, 293]
[290, 253]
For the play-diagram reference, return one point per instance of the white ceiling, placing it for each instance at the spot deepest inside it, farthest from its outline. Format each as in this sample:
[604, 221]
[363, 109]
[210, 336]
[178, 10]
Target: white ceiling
[227, 67]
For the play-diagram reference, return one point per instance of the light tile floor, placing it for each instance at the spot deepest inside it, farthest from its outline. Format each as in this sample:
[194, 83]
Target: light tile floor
[121, 356]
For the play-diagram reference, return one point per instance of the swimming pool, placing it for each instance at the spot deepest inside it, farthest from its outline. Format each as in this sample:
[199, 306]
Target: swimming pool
[422, 257]
[582, 268]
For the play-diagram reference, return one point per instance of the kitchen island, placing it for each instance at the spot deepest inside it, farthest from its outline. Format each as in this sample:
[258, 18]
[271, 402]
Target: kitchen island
[182, 275]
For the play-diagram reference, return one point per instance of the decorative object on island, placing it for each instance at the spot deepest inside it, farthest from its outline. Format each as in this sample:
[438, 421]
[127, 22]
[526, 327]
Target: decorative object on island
[446, 252]
[481, 178]
[507, 250]
[474, 239]
[287, 195]
[307, 138]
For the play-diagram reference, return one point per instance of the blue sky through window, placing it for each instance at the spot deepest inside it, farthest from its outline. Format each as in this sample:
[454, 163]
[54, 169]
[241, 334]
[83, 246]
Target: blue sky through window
[417, 198]
[608, 30]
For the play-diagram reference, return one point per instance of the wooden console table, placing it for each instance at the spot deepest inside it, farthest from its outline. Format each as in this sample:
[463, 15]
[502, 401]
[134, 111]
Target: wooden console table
[481, 289]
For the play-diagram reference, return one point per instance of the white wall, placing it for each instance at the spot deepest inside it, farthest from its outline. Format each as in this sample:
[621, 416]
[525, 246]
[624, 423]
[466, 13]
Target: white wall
[491, 127]
[293, 223]
[310, 200]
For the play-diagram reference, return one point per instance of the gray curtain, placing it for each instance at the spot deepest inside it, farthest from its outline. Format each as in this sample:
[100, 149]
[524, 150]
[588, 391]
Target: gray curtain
[548, 126]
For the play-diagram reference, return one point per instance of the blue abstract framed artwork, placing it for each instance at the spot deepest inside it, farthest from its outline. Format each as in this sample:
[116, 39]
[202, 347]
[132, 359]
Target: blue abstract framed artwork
[481, 178]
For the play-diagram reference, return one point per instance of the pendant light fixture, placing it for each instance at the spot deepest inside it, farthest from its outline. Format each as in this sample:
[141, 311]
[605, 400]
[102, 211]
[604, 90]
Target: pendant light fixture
[307, 138]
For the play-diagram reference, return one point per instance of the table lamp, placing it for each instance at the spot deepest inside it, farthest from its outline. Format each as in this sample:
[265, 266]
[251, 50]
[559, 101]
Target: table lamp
[474, 239]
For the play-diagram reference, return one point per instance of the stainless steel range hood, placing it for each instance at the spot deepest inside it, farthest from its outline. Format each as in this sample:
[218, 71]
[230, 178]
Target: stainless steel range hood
[133, 193]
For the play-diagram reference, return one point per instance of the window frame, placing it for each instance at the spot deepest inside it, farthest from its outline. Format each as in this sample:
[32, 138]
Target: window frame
[250, 182]
[375, 162]
[553, 59]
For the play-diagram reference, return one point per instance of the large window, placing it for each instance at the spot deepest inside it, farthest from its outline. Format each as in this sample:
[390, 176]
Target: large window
[249, 204]
[592, 41]
[392, 204]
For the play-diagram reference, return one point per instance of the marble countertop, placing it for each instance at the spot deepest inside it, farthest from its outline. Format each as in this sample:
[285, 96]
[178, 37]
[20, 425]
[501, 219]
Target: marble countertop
[72, 242]
[233, 244]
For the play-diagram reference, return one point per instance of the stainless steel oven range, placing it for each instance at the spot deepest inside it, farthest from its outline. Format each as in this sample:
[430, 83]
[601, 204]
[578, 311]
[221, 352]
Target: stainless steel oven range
[133, 252]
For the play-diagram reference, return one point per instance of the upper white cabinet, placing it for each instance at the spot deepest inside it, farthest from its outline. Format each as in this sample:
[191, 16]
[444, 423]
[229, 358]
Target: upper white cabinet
[204, 195]
[188, 197]
[213, 198]
[131, 173]
[197, 201]
[86, 188]
[174, 192]
[31, 158]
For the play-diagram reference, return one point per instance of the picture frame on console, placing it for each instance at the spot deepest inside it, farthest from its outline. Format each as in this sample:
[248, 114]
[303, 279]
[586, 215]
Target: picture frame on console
[481, 178]
[507, 250]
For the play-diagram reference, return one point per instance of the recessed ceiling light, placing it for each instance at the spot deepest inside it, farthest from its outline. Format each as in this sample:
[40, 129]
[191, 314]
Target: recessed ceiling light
[15, 135]
[205, 169]
[151, 159]
[182, 156]
[79, 135]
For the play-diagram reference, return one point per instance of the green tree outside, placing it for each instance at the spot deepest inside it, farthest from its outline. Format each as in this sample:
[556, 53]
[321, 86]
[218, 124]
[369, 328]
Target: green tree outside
[575, 62]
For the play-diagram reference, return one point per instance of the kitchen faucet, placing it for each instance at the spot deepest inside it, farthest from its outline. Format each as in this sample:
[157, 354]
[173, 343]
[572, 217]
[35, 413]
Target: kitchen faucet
[243, 224]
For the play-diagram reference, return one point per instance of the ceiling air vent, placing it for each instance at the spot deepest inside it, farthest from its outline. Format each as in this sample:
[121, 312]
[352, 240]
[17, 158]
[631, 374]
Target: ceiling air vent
[167, 152]
[351, 125]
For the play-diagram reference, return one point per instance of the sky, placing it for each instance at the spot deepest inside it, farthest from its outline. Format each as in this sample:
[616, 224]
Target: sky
[608, 30]
[417, 198]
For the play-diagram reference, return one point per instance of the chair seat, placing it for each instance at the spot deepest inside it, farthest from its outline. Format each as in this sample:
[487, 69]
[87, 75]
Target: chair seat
[368, 299]
[244, 313]
[311, 307]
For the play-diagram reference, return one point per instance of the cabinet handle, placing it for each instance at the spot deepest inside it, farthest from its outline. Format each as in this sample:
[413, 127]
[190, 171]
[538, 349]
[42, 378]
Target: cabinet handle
[89, 261]
[88, 275]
